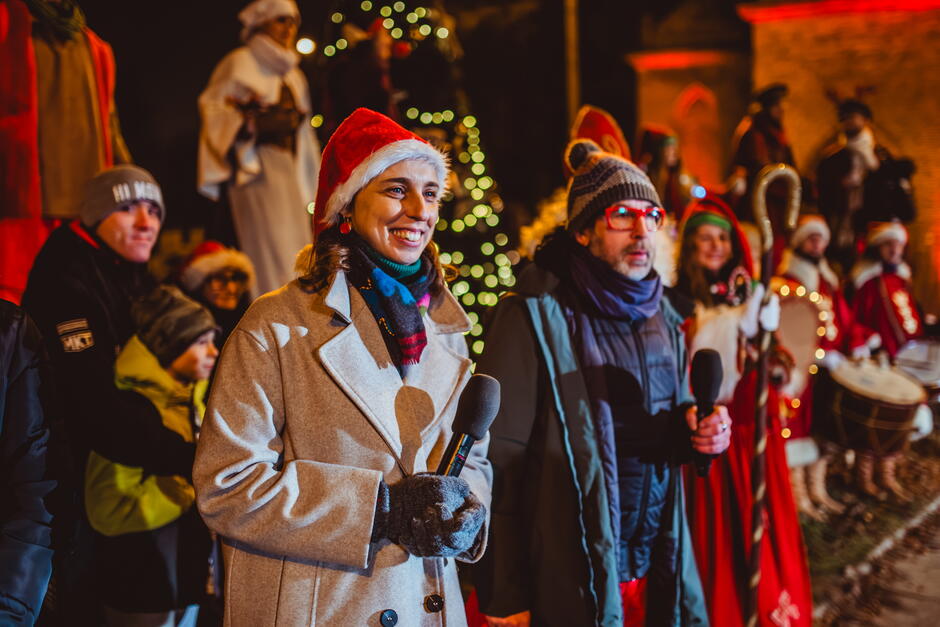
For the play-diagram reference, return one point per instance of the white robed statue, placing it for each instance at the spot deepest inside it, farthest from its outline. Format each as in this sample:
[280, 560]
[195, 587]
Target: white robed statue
[256, 138]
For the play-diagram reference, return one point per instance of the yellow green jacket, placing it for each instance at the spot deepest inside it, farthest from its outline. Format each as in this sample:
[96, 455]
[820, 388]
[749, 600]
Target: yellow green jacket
[121, 499]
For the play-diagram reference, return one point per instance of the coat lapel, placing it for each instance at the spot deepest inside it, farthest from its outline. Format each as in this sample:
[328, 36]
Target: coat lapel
[434, 385]
[429, 390]
[403, 412]
[358, 361]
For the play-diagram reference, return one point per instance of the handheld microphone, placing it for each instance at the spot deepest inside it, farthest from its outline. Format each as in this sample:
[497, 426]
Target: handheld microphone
[706, 383]
[476, 409]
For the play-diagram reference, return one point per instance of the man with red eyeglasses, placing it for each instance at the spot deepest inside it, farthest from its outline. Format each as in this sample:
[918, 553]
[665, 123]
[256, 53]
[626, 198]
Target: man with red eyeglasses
[588, 522]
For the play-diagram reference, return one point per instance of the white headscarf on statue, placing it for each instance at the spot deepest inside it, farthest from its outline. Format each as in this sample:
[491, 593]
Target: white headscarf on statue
[261, 11]
[271, 54]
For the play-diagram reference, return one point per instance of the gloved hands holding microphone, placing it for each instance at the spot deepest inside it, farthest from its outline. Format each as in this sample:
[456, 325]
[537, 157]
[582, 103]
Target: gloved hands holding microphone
[429, 515]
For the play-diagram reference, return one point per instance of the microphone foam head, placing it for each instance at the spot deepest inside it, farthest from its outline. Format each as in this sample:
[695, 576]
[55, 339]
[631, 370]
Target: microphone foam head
[477, 407]
[706, 375]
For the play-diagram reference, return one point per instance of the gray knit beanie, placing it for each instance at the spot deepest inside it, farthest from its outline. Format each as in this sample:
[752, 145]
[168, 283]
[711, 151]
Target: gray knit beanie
[168, 322]
[600, 180]
[116, 187]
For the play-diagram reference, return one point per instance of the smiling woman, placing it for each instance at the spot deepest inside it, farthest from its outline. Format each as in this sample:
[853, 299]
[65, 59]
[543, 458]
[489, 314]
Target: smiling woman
[321, 488]
[396, 212]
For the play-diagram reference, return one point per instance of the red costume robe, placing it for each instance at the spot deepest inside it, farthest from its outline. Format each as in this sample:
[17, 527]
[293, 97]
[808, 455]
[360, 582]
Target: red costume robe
[720, 504]
[23, 229]
[883, 302]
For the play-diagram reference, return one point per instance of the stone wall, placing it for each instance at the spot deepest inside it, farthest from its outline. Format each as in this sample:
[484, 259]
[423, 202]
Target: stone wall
[889, 48]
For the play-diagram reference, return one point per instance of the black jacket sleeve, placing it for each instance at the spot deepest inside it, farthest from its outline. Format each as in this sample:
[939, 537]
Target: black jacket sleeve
[503, 575]
[25, 519]
[98, 416]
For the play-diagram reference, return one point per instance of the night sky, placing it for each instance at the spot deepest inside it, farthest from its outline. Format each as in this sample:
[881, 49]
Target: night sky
[513, 72]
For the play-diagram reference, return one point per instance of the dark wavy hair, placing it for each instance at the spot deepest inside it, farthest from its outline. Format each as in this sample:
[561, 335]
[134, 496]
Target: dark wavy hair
[331, 253]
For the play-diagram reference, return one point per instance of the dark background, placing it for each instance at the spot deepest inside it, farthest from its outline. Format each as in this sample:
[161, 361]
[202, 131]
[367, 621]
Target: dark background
[513, 73]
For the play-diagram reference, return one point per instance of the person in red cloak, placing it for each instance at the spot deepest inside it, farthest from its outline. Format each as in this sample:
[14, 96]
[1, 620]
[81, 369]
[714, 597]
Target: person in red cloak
[805, 273]
[715, 270]
[58, 126]
[883, 301]
[882, 282]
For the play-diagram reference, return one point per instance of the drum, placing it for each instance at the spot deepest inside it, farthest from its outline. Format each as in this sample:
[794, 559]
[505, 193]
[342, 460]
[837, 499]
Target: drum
[799, 334]
[872, 407]
[921, 360]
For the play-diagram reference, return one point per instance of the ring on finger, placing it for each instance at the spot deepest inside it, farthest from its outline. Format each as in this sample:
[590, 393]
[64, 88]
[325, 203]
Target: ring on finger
[724, 426]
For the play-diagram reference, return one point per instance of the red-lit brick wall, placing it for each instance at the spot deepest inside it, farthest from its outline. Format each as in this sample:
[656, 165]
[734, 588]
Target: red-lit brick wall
[895, 52]
[668, 79]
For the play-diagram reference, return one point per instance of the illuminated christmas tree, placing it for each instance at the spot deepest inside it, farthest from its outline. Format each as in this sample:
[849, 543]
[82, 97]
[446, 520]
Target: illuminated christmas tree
[470, 233]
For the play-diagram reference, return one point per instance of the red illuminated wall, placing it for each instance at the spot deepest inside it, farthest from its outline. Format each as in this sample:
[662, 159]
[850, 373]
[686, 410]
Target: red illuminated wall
[892, 47]
[701, 94]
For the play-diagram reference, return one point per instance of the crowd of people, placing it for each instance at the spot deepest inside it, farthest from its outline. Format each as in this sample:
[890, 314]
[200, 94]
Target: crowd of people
[293, 482]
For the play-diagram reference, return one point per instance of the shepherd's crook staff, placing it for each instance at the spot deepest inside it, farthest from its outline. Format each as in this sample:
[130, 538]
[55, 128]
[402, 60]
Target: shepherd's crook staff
[768, 175]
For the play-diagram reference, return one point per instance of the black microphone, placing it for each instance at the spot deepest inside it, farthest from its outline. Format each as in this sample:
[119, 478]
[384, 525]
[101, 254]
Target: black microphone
[476, 409]
[706, 383]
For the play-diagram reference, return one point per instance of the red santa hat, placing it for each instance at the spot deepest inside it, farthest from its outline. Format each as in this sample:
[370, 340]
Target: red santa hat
[361, 148]
[881, 232]
[211, 257]
[809, 225]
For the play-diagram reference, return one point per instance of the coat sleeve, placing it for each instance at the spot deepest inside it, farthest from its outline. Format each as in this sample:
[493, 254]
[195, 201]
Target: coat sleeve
[25, 520]
[302, 509]
[502, 577]
[117, 424]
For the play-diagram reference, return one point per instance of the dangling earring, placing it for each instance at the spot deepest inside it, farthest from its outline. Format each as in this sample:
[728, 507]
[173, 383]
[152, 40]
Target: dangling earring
[346, 225]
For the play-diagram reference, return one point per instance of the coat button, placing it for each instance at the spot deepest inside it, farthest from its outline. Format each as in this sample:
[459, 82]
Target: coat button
[389, 618]
[434, 603]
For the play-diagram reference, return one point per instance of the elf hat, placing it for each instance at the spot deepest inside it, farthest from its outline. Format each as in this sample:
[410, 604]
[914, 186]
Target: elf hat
[363, 146]
[809, 225]
[211, 257]
[881, 232]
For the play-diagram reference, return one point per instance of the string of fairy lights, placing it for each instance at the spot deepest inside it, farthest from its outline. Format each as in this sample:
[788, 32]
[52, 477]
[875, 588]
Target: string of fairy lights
[469, 235]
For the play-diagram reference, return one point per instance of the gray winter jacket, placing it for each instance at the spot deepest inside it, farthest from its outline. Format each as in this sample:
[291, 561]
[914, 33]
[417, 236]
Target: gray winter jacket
[552, 548]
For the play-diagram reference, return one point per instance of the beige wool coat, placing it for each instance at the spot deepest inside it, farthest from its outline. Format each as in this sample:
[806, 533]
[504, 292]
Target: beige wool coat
[307, 414]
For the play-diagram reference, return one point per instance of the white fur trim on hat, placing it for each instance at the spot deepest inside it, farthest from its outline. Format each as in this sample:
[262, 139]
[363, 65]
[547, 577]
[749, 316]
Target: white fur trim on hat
[201, 267]
[807, 228]
[885, 232]
[376, 163]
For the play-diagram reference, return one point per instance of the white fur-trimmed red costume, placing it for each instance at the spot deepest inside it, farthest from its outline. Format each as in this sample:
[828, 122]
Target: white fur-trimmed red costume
[883, 300]
[842, 333]
[720, 503]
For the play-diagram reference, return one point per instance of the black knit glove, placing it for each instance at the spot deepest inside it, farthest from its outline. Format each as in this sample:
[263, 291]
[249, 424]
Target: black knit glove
[429, 515]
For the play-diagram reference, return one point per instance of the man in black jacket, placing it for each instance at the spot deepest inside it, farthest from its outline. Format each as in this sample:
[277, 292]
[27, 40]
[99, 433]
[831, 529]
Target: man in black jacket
[25, 520]
[79, 293]
[588, 525]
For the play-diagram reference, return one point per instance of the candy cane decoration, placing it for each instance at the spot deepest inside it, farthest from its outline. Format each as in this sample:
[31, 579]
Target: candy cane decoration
[766, 176]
